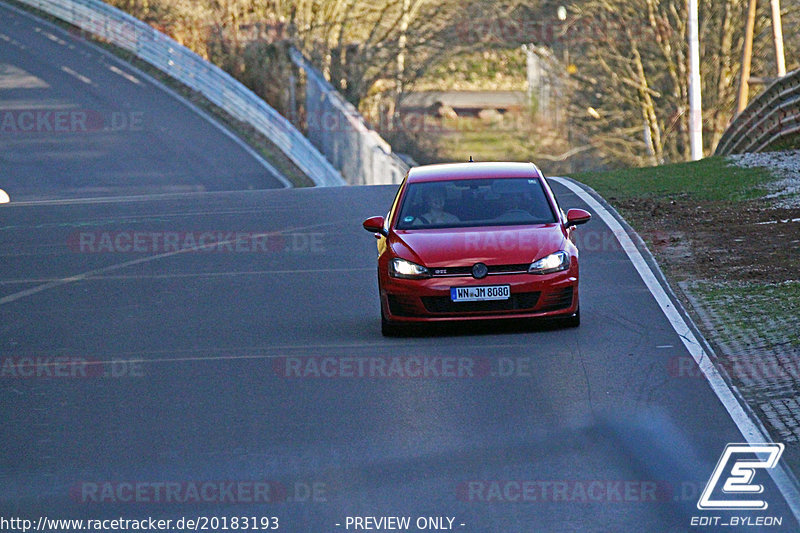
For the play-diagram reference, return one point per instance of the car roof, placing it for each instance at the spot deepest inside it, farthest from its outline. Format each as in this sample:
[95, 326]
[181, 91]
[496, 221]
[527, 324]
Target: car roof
[472, 171]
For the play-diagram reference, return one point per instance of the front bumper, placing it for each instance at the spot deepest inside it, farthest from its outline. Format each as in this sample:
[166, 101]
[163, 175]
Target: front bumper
[429, 300]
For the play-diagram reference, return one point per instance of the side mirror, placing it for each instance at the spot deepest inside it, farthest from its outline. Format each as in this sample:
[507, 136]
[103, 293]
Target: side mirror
[576, 217]
[375, 225]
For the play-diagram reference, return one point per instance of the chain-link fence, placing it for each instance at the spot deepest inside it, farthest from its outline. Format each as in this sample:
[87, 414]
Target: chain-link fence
[337, 129]
[216, 85]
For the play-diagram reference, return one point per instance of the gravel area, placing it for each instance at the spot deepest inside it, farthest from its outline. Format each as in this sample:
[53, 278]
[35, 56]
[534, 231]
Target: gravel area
[785, 166]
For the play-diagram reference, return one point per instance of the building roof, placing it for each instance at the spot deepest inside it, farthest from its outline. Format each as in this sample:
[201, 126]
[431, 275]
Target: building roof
[464, 99]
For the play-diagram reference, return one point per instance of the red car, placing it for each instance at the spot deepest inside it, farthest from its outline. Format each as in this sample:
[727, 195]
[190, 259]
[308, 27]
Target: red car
[469, 241]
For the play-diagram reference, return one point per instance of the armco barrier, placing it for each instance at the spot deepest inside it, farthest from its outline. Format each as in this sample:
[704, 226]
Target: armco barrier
[336, 127]
[770, 117]
[167, 55]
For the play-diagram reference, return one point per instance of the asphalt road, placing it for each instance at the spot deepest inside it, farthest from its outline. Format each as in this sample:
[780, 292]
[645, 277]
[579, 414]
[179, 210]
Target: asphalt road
[188, 355]
[75, 122]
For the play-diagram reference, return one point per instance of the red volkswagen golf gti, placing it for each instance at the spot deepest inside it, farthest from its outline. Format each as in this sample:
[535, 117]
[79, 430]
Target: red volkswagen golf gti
[471, 241]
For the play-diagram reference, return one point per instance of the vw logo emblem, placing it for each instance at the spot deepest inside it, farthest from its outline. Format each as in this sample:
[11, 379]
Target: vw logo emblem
[479, 270]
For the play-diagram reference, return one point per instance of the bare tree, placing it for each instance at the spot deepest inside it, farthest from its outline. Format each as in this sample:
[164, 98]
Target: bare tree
[632, 71]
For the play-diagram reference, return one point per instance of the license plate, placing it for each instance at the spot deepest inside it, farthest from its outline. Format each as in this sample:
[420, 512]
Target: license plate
[480, 294]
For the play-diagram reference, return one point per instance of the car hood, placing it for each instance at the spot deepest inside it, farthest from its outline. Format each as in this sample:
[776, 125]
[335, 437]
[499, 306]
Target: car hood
[495, 245]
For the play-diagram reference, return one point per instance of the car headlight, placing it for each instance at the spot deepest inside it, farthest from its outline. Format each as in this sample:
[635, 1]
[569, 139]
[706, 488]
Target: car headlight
[552, 263]
[400, 268]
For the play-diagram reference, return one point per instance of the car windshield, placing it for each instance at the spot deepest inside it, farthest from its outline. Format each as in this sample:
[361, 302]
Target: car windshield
[471, 203]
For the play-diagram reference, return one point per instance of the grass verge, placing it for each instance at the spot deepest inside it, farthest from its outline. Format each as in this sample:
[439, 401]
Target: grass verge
[711, 178]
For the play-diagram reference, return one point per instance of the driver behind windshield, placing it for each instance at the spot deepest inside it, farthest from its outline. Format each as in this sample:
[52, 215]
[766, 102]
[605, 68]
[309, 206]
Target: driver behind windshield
[434, 199]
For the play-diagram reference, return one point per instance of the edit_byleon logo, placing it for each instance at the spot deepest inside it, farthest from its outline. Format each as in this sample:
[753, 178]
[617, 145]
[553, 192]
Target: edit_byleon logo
[731, 486]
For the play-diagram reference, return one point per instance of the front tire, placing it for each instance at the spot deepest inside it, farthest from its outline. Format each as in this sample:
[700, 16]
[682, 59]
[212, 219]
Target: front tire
[573, 321]
[389, 329]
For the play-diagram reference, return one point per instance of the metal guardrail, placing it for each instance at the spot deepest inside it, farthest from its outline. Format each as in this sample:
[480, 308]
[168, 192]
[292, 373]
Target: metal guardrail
[771, 116]
[336, 127]
[167, 55]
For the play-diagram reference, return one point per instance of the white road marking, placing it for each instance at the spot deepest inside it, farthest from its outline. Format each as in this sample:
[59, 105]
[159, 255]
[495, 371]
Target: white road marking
[54, 38]
[129, 77]
[111, 268]
[133, 198]
[195, 275]
[74, 74]
[272, 352]
[750, 430]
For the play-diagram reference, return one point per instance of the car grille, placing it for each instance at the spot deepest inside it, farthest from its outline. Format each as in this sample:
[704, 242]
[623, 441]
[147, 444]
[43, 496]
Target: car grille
[517, 302]
[557, 300]
[449, 272]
